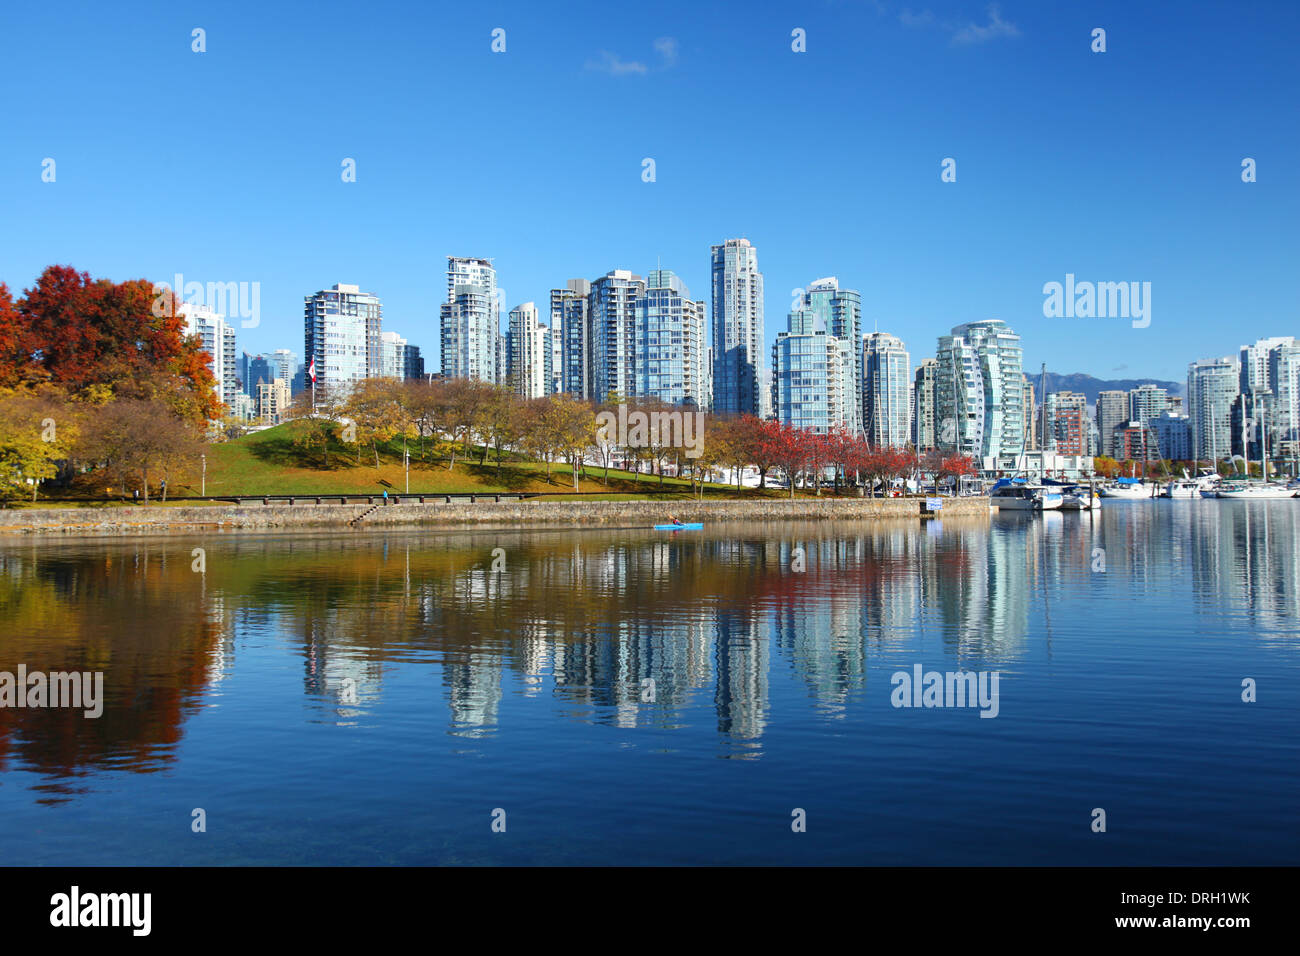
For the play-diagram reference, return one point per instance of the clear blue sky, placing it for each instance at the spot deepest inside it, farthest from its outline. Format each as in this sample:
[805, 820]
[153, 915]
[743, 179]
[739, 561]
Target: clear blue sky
[225, 166]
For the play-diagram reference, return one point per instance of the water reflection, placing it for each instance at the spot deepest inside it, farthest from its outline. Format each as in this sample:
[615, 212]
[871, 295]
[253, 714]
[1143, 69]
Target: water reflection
[621, 628]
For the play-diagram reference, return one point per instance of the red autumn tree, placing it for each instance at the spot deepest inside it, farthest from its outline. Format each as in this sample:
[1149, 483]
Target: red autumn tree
[77, 332]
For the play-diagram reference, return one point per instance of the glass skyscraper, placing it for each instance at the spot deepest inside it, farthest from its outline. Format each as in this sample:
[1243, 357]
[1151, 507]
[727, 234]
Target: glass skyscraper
[738, 372]
[980, 391]
[471, 320]
[671, 357]
[886, 390]
[341, 332]
[612, 308]
[1212, 388]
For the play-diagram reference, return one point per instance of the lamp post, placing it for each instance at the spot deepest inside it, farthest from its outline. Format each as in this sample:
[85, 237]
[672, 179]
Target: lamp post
[203, 482]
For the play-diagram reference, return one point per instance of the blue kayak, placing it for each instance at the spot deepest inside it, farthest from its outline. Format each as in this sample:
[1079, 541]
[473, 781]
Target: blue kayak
[679, 527]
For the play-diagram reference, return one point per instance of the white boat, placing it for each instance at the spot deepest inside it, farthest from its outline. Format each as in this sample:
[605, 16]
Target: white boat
[1128, 490]
[1191, 487]
[1255, 490]
[1024, 497]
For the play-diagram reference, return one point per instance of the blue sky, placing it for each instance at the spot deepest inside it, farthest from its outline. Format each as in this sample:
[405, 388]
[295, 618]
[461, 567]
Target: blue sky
[1115, 166]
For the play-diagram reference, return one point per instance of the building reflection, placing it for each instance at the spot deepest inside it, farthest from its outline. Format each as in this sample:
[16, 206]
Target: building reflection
[621, 629]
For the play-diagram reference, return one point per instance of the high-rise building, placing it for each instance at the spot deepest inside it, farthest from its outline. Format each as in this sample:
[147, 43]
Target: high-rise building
[887, 368]
[924, 434]
[812, 378]
[1112, 412]
[1271, 367]
[528, 359]
[981, 390]
[571, 326]
[737, 314]
[1212, 388]
[392, 356]
[1147, 402]
[285, 365]
[341, 334]
[471, 321]
[1067, 425]
[219, 343]
[412, 362]
[612, 309]
[839, 312]
[254, 369]
[1173, 435]
[1032, 438]
[671, 351]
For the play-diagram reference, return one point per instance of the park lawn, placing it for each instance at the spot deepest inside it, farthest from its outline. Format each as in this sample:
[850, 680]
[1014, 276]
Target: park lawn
[269, 463]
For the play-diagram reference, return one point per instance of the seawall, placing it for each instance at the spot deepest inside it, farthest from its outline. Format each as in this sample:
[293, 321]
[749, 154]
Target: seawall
[305, 514]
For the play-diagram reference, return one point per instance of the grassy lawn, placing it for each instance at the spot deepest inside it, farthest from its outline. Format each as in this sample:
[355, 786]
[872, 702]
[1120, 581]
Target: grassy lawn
[270, 463]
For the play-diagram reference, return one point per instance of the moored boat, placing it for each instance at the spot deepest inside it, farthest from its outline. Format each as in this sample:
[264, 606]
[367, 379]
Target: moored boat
[1021, 496]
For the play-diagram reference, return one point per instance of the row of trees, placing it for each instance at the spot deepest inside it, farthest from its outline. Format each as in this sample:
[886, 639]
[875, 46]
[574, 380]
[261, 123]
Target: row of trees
[98, 375]
[131, 442]
[459, 418]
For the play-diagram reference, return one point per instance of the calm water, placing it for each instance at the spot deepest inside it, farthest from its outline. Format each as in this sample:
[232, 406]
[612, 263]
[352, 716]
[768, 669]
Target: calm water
[368, 698]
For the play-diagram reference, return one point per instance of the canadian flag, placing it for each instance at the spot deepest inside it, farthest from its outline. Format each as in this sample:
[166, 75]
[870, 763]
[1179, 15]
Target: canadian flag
[311, 370]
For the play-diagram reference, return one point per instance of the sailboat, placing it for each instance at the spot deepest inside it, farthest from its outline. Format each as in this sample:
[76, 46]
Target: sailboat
[1255, 490]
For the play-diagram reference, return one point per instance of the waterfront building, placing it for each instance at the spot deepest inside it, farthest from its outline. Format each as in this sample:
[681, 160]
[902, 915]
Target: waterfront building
[839, 312]
[1067, 425]
[341, 327]
[571, 328]
[218, 339]
[1147, 402]
[1173, 435]
[924, 436]
[392, 356]
[471, 321]
[670, 350]
[612, 308]
[980, 390]
[886, 390]
[412, 362]
[1212, 388]
[528, 360]
[1112, 412]
[812, 375]
[738, 336]
[1031, 417]
[1271, 367]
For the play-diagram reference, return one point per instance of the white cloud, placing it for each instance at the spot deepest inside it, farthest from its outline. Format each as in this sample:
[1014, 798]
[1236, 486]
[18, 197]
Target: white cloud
[666, 47]
[611, 63]
[996, 27]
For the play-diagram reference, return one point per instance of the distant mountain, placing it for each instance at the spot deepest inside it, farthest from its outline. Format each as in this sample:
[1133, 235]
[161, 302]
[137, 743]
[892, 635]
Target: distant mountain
[1089, 386]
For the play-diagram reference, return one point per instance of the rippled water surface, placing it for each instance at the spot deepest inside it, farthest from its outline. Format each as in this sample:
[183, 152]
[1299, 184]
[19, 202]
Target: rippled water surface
[630, 697]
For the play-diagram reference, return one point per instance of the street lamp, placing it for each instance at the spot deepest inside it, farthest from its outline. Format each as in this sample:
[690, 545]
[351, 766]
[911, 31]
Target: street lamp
[203, 483]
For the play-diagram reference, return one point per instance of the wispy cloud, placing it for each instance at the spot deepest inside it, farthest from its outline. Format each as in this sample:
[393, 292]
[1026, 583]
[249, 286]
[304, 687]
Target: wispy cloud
[962, 34]
[666, 47]
[996, 27]
[614, 65]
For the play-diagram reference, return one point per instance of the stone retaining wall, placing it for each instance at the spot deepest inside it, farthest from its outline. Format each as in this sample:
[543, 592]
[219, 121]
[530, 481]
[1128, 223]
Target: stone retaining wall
[304, 514]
